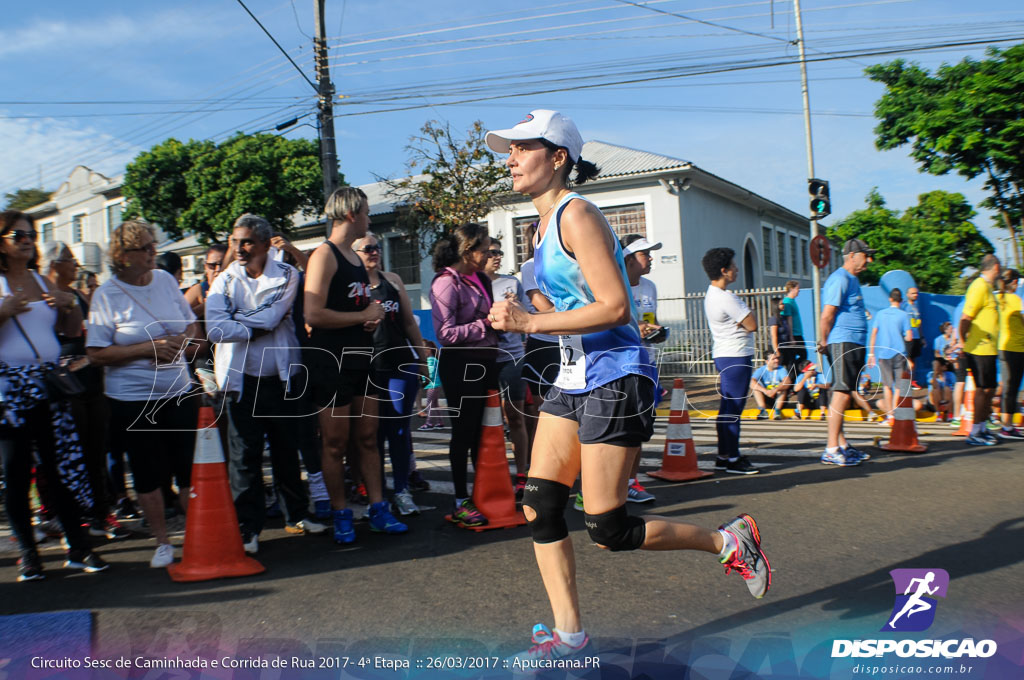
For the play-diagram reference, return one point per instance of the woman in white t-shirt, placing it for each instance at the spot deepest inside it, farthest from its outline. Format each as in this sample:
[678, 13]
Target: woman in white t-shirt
[732, 329]
[142, 331]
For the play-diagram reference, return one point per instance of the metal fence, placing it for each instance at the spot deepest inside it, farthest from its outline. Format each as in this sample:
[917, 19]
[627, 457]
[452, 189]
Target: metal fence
[688, 348]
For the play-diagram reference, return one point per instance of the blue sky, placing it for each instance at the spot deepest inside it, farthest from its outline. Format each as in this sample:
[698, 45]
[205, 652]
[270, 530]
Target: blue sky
[95, 83]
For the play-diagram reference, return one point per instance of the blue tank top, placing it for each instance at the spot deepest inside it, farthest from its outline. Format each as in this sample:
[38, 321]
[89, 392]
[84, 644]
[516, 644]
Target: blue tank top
[592, 359]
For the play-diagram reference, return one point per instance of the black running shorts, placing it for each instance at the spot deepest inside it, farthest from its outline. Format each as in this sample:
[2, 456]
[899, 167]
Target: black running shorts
[620, 412]
[982, 368]
[847, 360]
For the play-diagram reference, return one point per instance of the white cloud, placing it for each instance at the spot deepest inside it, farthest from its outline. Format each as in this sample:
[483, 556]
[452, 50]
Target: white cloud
[56, 147]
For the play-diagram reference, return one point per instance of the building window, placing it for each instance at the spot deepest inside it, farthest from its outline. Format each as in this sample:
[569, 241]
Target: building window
[627, 219]
[522, 232]
[767, 248]
[114, 216]
[794, 254]
[404, 257]
[77, 225]
[805, 258]
[47, 231]
[780, 256]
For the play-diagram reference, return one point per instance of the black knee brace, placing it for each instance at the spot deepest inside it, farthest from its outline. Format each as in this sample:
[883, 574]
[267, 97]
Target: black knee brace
[616, 529]
[548, 501]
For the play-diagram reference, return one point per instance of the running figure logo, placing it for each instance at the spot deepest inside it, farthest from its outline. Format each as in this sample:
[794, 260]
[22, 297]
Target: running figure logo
[914, 609]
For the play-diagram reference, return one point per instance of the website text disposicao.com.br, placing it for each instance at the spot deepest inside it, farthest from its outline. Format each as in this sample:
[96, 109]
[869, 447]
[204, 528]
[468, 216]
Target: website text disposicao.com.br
[901, 670]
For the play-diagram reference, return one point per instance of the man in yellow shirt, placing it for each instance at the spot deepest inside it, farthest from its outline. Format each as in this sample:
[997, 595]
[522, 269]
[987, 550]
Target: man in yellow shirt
[1011, 349]
[979, 332]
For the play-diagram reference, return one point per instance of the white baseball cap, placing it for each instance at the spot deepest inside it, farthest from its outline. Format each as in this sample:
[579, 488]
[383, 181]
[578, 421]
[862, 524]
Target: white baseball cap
[638, 245]
[540, 124]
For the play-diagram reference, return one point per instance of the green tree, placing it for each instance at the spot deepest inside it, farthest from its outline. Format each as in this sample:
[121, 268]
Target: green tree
[934, 240]
[451, 181]
[20, 199]
[967, 118]
[199, 187]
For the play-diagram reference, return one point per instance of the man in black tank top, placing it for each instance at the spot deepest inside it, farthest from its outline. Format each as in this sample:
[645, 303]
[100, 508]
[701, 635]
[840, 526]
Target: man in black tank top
[339, 309]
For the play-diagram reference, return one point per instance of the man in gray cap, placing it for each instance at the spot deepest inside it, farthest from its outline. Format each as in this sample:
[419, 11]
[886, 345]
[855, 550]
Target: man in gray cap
[844, 332]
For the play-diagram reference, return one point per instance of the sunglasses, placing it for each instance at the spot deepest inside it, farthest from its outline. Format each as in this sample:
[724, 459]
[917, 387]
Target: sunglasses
[369, 249]
[494, 253]
[213, 265]
[19, 234]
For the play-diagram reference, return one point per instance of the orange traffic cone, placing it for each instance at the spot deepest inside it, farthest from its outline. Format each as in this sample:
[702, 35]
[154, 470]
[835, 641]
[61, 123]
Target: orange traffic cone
[679, 460]
[493, 494]
[213, 544]
[904, 432]
[967, 417]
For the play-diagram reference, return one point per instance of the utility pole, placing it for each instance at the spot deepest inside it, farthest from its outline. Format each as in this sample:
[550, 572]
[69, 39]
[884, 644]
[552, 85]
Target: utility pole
[815, 272]
[328, 150]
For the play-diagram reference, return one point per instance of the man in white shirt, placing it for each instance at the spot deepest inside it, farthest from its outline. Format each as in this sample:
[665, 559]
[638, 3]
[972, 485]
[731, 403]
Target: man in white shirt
[732, 329]
[249, 318]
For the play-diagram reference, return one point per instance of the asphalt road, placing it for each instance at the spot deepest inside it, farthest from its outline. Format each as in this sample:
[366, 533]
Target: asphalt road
[831, 534]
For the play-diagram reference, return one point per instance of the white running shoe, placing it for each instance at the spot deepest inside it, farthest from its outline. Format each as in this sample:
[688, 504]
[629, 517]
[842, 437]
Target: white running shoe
[163, 557]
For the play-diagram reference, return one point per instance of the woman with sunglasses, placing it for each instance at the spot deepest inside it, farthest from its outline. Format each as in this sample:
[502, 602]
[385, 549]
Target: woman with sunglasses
[593, 425]
[32, 313]
[460, 296]
[142, 331]
[396, 368]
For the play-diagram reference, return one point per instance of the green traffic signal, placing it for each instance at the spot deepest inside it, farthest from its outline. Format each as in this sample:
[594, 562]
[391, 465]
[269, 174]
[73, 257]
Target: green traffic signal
[820, 205]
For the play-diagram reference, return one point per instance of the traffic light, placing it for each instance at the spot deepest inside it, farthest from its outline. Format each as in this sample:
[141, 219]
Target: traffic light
[821, 206]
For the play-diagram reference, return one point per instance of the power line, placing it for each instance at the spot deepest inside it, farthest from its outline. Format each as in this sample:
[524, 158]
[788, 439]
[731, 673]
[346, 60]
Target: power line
[700, 21]
[287, 56]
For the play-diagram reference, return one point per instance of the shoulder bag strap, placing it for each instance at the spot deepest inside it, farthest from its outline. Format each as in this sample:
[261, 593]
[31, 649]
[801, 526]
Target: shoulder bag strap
[144, 308]
[27, 339]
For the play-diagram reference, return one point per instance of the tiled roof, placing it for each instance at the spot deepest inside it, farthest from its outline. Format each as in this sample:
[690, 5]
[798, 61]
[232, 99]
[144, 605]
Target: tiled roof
[619, 161]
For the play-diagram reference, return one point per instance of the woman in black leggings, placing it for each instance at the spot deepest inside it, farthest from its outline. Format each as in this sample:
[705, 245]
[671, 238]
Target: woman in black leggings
[460, 299]
[1011, 349]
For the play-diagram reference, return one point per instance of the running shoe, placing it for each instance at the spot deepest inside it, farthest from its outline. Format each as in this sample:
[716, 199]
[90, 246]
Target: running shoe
[466, 515]
[748, 558]
[417, 483]
[775, 415]
[30, 568]
[306, 526]
[857, 453]
[721, 463]
[85, 560]
[425, 427]
[383, 522]
[108, 528]
[954, 422]
[799, 412]
[838, 458]
[762, 415]
[344, 531]
[1012, 433]
[636, 493]
[126, 509]
[741, 466]
[914, 385]
[578, 503]
[980, 440]
[549, 647]
[163, 557]
[404, 504]
[993, 425]
[250, 542]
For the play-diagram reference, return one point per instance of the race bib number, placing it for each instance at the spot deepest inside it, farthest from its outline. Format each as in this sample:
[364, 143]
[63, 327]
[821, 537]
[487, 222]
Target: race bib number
[572, 364]
[648, 317]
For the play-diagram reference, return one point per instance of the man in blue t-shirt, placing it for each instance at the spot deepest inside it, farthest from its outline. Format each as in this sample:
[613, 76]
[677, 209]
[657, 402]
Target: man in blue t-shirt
[771, 381]
[889, 340]
[916, 344]
[844, 329]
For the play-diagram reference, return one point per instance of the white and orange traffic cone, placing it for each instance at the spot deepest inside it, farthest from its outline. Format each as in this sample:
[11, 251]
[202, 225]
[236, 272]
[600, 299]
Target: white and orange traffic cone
[679, 459]
[213, 543]
[904, 430]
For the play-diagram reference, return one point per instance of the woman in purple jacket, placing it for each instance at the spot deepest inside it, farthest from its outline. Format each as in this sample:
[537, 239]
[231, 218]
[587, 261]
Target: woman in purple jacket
[460, 299]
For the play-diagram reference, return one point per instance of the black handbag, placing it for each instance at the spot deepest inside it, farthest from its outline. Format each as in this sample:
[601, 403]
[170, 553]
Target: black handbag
[60, 382]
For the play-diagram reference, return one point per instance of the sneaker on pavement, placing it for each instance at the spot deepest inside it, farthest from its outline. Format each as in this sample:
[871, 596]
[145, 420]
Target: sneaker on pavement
[306, 526]
[991, 425]
[163, 557]
[466, 515]
[775, 415]
[577, 504]
[108, 528]
[838, 458]
[1012, 433]
[741, 466]
[852, 452]
[425, 427]
[344, 531]
[636, 493]
[126, 509]
[991, 437]
[762, 415]
[250, 542]
[86, 561]
[721, 463]
[547, 646]
[417, 483]
[954, 422]
[748, 558]
[30, 568]
[382, 521]
[980, 440]
[404, 504]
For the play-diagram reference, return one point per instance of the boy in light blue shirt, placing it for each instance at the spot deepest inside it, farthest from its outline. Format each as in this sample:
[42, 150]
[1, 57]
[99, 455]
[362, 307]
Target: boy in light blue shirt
[771, 381]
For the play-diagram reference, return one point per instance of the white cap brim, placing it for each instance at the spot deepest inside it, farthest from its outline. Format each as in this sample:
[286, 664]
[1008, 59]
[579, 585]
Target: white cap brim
[638, 245]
